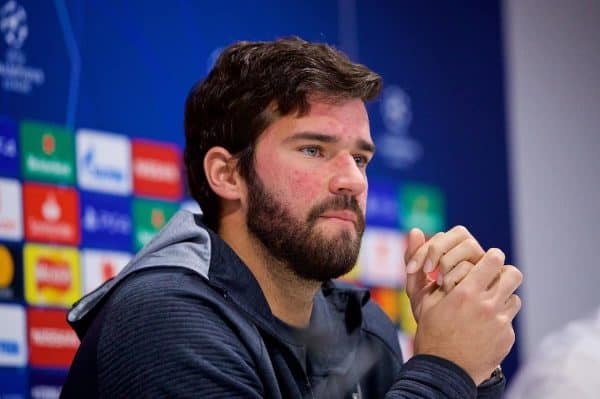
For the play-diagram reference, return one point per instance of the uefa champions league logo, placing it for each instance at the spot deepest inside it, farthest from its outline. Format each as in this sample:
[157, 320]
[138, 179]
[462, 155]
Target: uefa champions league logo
[15, 75]
[13, 24]
[395, 109]
[398, 150]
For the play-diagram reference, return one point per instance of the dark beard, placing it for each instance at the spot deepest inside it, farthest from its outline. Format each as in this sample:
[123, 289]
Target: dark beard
[307, 253]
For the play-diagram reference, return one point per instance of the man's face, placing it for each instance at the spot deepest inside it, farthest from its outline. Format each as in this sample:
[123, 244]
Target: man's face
[308, 190]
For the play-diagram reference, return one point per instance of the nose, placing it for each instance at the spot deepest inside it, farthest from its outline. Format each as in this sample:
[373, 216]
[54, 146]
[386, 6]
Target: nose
[347, 178]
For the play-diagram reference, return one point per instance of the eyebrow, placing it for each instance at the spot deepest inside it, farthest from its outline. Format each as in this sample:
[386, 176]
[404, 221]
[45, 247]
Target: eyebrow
[363, 144]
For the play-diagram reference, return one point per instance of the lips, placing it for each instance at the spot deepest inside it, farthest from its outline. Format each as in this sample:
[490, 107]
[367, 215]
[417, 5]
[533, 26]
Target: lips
[348, 216]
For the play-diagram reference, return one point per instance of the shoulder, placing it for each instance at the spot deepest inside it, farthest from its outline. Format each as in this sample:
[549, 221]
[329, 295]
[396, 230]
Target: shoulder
[167, 323]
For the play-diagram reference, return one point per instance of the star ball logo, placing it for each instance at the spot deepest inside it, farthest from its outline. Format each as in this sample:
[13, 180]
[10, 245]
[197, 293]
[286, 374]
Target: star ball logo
[398, 150]
[15, 75]
[13, 24]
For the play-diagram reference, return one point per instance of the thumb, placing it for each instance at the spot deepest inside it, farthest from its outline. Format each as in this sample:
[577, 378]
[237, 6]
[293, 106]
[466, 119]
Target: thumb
[415, 239]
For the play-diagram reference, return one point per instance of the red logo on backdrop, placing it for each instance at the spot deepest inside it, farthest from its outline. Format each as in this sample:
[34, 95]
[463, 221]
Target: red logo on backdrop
[52, 343]
[156, 169]
[53, 274]
[51, 214]
[108, 270]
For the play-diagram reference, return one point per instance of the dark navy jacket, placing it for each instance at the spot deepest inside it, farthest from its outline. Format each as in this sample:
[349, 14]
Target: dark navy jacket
[186, 318]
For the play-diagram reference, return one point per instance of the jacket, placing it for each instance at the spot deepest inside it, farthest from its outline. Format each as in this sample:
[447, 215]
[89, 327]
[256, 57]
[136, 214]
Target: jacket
[186, 318]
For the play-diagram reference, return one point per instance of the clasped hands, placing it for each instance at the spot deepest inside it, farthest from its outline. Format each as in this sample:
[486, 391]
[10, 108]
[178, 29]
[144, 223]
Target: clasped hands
[465, 316]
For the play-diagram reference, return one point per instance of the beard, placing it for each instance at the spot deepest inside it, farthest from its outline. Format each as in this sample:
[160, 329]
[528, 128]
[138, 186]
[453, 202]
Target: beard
[296, 243]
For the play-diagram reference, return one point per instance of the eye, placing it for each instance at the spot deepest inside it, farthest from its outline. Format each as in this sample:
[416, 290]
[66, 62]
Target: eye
[361, 160]
[311, 151]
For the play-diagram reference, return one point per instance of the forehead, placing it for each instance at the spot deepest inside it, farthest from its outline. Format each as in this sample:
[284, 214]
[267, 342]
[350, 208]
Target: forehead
[348, 121]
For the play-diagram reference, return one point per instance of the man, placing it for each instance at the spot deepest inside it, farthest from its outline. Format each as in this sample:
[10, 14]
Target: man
[241, 302]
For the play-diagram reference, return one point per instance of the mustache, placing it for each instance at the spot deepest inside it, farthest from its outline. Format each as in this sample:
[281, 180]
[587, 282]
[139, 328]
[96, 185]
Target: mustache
[338, 203]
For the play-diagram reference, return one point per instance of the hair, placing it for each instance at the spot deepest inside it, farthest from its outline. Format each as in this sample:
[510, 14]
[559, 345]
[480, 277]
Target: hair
[253, 84]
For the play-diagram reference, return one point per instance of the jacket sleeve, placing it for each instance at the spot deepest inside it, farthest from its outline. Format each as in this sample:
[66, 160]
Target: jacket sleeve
[431, 377]
[161, 340]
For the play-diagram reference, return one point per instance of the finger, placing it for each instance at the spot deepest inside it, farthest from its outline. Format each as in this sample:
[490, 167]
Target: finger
[443, 244]
[512, 307]
[487, 269]
[415, 240]
[506, 284]
[466, 250]
[416, 243]
[415, 283]
[419, 256]
[455, 276]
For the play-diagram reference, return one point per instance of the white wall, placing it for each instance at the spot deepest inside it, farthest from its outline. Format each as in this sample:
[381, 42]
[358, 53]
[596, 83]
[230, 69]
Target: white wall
[553, 104]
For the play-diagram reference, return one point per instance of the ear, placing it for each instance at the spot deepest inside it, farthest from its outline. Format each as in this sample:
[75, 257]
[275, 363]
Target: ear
[221, 173]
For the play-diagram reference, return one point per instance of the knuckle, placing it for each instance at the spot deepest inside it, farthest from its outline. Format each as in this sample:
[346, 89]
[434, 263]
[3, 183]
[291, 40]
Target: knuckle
[514, 273]
[517, 302]
[435, 249]
[462, 294]
[473, 245]
[445, 265]
[496, 255]
[461, 230]
[487, 308]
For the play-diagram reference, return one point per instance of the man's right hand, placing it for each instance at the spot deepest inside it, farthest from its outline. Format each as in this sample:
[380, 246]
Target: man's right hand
[472, 324]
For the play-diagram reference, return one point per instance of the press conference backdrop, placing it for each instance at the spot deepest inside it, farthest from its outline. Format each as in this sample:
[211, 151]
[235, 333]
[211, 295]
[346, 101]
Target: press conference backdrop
[91, 105]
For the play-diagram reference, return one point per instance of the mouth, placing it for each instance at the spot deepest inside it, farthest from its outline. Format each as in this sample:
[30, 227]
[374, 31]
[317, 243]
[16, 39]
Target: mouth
[342, 215]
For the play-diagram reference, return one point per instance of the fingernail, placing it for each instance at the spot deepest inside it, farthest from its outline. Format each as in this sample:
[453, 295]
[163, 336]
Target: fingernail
[428, 266]
[440, 280]
[411, 267]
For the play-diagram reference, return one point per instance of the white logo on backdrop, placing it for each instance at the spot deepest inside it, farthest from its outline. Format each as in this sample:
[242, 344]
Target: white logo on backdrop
[51, 209]
[11, 221]
[394, 145]
[95, 220]
[103, 162]
[15, 75]
[13, 24]
[13, 349]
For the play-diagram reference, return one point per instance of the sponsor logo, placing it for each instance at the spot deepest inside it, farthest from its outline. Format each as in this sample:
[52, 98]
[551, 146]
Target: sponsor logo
[52, 342]
[395, 147]
[9, 164]
[382, 205]
[46, 383]
[11, 273]
[11, 223]
[382, 258]
[386, 298]
[47, 153]
[15, 74]
[51, 214]
[156, 170]
[422, 206]
[149, 217]
[103, 162]
[407, 320]
[51, 275]
[7, 268]
[13, 351]
[100, 266]
[106, 221]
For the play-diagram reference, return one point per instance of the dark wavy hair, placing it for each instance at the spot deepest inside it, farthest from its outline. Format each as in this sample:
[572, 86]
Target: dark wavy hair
[253, 84]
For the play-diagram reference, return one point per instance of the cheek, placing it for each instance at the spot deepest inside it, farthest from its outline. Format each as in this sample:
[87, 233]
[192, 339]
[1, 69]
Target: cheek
[304, 185]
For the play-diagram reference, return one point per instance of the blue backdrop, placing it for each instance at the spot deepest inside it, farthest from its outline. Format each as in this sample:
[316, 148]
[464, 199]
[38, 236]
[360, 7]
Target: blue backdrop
[126, 67]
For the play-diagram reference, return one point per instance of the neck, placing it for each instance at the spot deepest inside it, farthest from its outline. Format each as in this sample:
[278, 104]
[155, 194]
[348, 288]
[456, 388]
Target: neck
[289, 296]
